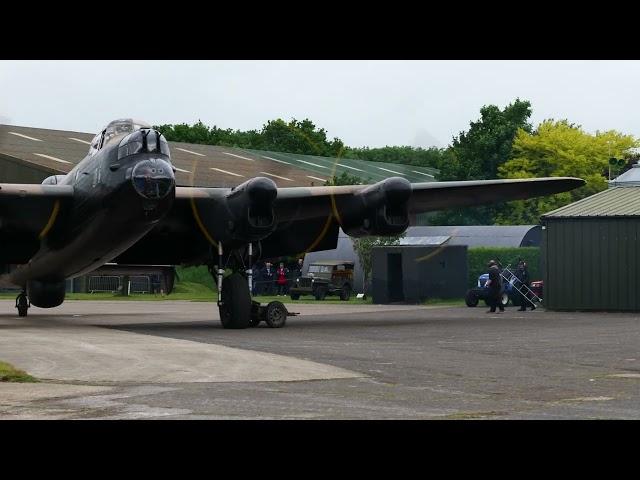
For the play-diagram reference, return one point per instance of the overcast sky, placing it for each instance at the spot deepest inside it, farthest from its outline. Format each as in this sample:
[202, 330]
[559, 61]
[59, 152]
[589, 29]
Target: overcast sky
[374, 103]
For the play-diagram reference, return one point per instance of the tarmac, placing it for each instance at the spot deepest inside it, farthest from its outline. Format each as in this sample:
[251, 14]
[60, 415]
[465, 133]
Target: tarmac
[173, 360]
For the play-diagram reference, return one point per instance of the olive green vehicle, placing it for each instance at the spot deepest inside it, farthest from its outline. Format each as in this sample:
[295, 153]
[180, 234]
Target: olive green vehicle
[332, 277]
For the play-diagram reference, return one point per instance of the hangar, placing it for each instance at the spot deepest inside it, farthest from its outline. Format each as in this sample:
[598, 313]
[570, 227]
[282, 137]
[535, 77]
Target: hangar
[29, 155]
[590, 250]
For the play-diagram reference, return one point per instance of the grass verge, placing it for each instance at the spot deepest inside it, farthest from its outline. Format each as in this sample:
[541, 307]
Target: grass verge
[9, 373]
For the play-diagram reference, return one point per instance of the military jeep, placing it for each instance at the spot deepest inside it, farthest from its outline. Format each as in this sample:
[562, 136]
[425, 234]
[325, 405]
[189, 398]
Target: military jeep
[325, 278]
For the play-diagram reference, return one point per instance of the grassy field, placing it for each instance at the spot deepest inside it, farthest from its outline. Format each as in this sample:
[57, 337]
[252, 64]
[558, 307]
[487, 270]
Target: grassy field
[196, 284]
[9, 373]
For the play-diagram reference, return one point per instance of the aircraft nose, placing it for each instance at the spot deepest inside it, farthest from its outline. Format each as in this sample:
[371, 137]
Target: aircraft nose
[153, 178]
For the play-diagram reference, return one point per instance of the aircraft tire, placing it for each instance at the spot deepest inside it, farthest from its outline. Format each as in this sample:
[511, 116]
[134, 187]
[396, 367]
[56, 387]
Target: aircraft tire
[235, 310]
[276, 315]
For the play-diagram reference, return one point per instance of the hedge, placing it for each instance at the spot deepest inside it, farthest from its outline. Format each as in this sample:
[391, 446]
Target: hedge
[478, 257]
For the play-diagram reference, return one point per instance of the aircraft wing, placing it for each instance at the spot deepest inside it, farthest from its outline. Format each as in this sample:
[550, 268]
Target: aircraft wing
[309, 202]
[302, 219]
[28, 213]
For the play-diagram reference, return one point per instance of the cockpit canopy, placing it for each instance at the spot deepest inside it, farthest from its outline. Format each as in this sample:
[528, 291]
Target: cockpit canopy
[115, 130]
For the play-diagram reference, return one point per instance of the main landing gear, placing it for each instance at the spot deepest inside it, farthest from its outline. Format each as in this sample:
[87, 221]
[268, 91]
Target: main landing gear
[237, 309]
[22, 304]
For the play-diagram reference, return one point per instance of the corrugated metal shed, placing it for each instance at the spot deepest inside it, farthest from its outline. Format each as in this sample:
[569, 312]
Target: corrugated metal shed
[590, 251]
[615, 202]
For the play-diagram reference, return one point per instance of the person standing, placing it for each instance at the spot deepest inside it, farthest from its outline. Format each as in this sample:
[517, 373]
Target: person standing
[522, 274]
[267, 279]
[299, 268]
[281, 279]
[495, 288]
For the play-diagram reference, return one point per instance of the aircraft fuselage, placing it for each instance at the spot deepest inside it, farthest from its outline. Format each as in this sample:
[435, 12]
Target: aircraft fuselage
[118, 197]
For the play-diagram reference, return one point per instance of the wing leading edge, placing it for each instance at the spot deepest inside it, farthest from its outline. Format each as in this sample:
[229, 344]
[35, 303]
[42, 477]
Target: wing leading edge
[307, 218]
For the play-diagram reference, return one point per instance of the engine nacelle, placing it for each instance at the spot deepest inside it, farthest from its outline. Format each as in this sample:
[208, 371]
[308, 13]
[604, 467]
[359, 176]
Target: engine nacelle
[250, 209]
[381, 209]
[46, 294]
[53, 180]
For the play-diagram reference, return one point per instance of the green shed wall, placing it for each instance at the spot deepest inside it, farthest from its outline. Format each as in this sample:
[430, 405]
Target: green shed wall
[591, 263]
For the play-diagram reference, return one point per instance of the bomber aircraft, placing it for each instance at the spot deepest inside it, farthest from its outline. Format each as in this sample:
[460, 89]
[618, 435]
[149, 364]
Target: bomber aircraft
[121, 204]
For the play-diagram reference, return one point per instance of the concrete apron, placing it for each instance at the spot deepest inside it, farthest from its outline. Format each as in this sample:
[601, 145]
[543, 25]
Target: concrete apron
[80, 353]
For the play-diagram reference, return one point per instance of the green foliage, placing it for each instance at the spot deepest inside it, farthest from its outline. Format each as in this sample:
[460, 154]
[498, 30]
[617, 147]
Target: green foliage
[199, 275]
[478, 258]
[346, 179]
[558, 148]
[296, 136]
[478, 153]
[363, 246]
[9, 373]
[420, 157]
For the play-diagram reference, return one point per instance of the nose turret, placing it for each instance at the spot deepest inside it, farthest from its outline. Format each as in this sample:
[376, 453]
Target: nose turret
[153, 178]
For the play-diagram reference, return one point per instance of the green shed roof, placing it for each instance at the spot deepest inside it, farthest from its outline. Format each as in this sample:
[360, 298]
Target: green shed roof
[614, 202]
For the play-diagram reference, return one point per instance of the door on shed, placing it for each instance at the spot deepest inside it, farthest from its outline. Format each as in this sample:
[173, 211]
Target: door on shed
[394, 270]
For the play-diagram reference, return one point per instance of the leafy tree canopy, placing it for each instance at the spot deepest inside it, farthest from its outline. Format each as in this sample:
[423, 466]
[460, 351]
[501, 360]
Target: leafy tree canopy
[559, 148]
[420, 157]
[302, 137]
[478, 153]
[346, 179]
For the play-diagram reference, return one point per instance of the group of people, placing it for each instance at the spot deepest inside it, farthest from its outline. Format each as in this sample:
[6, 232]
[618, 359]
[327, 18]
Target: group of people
[496, 287]
[269, 279]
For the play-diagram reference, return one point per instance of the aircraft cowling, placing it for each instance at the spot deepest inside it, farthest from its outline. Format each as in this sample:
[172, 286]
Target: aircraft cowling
[46, 294]
[250, 210]
[381, 209]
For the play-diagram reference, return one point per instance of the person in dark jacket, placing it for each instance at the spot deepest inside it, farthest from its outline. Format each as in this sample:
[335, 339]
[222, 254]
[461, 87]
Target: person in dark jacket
[495, 288]
[522, 274]
[298, 270]
[267, 278]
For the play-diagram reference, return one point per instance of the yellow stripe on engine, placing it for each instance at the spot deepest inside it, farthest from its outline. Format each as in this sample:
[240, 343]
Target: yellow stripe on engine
[52, 219]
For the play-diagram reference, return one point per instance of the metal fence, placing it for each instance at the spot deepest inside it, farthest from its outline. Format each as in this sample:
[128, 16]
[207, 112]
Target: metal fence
[104, 283]
[140, 284]
[113, 284]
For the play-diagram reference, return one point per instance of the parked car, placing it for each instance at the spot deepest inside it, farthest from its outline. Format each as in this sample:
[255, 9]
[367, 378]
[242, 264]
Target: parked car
[325, 278]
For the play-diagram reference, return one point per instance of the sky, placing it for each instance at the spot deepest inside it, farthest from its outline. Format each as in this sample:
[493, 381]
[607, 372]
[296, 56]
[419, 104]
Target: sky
[364, 103]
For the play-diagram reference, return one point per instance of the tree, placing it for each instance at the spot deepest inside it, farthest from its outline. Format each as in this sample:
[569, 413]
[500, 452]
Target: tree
[363, 247]
[296, 136]
[559, 148]
[478, 153]
[420, 157]
[346, 179]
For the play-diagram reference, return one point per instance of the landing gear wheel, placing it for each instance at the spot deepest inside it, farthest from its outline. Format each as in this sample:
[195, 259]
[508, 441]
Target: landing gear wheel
[276, 315]
[320, 293]
[235, 307]
[22, 304]
[345, 293]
